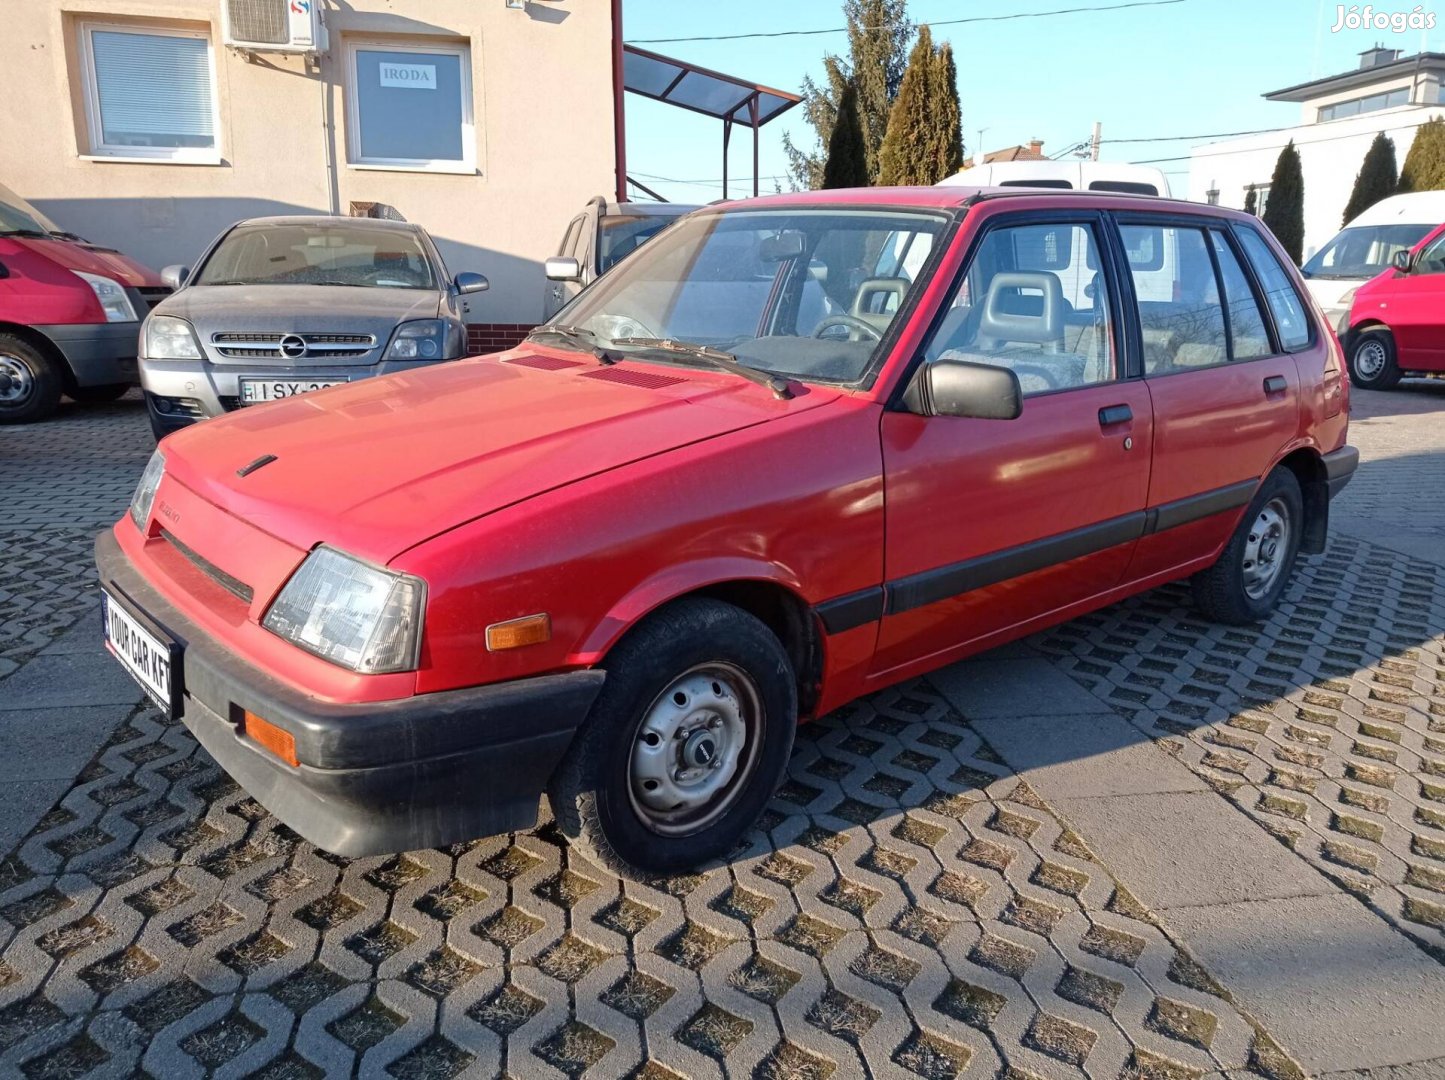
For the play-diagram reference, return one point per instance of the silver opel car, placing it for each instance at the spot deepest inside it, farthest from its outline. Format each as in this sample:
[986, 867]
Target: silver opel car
[286, 305]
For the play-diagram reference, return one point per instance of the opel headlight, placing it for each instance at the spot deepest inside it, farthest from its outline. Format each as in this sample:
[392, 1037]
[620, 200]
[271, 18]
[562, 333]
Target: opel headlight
[170, 338]
[145, 491]
[112, 296]
[424, 339]
[351, 613]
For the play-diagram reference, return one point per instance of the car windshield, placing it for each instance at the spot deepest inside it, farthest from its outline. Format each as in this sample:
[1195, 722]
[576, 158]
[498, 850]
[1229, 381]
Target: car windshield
[1363, 251]
[621, 234]
[18, 216]
[340, 254]
[806, 293]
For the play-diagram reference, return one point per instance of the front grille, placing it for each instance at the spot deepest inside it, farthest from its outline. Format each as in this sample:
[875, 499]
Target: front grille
[266, 345]
[235, 586]
[153, 294]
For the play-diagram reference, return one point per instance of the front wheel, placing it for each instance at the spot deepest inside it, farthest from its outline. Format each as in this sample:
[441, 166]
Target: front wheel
[685, 744]
[1245, 584]
[1373, 363]
[29, 382]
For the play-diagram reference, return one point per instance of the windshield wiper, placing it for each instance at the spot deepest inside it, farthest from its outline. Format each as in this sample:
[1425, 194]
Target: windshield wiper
[578, 336]
[33, 234]
[723, 361]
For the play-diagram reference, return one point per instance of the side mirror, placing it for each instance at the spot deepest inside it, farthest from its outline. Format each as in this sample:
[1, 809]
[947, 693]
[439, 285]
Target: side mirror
[562, 268]
[175, 275]
[467, 282]
[1403, 260]
[958, 388]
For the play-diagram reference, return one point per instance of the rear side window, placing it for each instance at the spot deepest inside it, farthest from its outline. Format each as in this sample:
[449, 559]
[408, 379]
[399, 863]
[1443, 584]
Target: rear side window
[1289, 311]
[1181, 316]
[1248, 339]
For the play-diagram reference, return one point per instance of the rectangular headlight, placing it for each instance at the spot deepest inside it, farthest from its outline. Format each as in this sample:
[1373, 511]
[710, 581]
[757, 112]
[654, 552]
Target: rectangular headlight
[111, 296]
[170, 338]
[145, 491]
[424, 339]
[351, 613]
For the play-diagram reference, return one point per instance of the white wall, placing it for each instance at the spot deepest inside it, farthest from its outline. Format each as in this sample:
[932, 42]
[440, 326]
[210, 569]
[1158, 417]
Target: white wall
[1330, 157]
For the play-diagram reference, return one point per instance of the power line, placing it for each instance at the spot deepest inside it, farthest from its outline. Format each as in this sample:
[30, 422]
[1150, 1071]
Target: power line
[1255, 149]
[941, 22]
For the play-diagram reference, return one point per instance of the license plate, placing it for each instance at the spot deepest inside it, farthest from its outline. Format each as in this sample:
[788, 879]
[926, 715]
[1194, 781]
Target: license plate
[255, 391]
[151, 660]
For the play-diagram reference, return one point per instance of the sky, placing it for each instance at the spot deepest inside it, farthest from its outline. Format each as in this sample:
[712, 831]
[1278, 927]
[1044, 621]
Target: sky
[1188, 68]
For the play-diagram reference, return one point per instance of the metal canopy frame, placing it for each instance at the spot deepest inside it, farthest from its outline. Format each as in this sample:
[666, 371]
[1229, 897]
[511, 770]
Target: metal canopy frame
[734, 101]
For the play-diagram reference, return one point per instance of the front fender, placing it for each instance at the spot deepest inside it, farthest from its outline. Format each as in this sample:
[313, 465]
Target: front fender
[669, 584]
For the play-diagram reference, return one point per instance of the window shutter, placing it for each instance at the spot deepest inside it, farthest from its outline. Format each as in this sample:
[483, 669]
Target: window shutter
[154, 89]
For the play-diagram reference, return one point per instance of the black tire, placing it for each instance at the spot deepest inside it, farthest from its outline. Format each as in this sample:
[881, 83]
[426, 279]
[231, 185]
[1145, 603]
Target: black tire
[594, 799]
[99, 395]
[1373, 362]
[1226, 592]
[29, 382]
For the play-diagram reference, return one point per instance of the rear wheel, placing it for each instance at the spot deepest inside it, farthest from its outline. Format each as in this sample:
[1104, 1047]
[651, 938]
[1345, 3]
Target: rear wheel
[1373, 364]
[99, 395]
[29, 382]
[685, 745]
[1245, 584]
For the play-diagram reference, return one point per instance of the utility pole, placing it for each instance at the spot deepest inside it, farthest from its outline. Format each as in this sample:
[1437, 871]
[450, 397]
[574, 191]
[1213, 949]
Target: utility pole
[1094, 142]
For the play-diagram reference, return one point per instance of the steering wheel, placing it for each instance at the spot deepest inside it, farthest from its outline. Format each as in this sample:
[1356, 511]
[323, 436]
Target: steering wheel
[856, 327]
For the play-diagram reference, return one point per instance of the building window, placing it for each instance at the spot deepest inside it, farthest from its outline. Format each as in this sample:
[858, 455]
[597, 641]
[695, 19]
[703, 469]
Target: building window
[1373, 103]
[149, 93]
[1261, 196]
[410, 107]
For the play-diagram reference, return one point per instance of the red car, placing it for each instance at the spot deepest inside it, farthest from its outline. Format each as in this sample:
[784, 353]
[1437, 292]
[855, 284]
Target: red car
[793, 450]
[1397, 318]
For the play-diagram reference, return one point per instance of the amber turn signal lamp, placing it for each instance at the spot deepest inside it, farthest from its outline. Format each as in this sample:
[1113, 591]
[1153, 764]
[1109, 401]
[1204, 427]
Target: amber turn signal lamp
[267, 735]
[515, 633]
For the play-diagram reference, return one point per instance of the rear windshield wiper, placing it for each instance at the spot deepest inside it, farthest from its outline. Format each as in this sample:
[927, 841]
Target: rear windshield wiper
[578, 336]
[723, 361]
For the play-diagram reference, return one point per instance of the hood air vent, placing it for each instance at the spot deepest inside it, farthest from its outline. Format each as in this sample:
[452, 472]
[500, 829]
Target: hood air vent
[544, 363]
[647, 380]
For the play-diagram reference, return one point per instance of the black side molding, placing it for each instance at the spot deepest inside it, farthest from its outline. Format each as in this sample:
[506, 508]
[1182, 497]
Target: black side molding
[1183, 511]
[855, 609]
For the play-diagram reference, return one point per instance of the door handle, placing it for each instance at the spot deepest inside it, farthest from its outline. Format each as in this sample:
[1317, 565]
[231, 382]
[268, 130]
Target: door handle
[1276, 384]
[1110, 415]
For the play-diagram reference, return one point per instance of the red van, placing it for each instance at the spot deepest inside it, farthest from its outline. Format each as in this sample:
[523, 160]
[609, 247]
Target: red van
[70, 315]
[1397, 318]
[788, 452]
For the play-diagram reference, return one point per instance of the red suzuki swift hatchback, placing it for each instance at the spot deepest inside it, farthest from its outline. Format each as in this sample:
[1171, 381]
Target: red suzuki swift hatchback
[792, 450]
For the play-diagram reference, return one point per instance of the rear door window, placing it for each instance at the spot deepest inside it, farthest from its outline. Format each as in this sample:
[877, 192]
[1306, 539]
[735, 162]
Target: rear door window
[1290, 314]
[1181, 316]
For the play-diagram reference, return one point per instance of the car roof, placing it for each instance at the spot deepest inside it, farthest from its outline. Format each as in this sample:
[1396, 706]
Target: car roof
[953, 196]
[333, 219]
[652, 209]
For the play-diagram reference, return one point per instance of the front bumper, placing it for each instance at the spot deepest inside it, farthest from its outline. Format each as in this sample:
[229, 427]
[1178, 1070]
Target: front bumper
[374, 777]
[213, 389]
[97, 353]
[1340, 466]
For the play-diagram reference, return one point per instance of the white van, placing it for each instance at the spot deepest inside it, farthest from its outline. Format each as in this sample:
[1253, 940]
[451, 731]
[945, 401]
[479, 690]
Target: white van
[1073, 175]
[1365, 247]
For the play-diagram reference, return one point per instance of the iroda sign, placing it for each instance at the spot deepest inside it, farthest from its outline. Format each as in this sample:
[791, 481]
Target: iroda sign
[409, 76]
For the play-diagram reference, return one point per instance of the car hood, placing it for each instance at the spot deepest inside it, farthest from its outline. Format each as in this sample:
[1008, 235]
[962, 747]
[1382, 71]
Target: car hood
[93, 260]
[378, 466]
[317, 308]
[1328, 292]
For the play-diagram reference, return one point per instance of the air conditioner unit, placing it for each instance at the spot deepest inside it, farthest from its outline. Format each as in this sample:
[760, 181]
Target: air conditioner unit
[282, 26]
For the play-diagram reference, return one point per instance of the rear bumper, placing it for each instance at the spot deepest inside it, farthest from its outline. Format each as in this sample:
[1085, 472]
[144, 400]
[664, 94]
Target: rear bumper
[97, 353]
[375, 777]
[1340, 466]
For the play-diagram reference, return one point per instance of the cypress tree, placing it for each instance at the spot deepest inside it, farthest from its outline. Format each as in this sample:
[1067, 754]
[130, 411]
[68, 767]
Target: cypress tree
[847, 163]
[1284, 211]
[947, 134]
[905, 153]
[1251, 200]
[1376, 179]
[1424, 168]
[878, 36]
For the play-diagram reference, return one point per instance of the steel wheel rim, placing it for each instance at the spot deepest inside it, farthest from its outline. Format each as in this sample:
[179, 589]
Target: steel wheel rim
[1370, 359]
[695, 749]
[17, 382]
[1266, 548]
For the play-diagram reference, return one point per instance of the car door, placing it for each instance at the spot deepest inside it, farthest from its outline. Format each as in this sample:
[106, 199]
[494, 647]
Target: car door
[1413, 307]
[994, 523]
[1225, 390]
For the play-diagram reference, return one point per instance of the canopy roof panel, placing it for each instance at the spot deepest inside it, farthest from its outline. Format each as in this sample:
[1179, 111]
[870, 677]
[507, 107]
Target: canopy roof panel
[711, 93]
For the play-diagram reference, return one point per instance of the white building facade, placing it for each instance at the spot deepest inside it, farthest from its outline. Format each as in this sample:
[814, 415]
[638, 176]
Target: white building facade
[1339, 116]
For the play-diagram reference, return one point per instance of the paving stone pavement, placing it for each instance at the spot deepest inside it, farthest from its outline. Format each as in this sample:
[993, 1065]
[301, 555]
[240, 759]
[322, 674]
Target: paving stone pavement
[910, 905]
